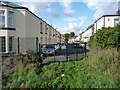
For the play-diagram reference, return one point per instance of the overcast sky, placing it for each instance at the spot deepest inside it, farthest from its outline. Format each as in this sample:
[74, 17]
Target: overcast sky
[70, 15]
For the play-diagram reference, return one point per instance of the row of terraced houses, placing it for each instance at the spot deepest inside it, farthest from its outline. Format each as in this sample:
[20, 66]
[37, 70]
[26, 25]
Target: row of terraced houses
[20, 28]
[104, 21]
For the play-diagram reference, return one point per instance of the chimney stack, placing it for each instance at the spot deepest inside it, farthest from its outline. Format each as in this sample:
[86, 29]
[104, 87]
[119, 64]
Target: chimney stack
[118, 12]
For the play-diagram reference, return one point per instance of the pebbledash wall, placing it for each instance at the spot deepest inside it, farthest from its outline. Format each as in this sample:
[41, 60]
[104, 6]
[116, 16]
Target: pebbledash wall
[20, 27]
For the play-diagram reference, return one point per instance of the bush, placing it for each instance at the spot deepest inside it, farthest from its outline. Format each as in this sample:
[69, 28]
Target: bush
[106, 38]
[24, 78]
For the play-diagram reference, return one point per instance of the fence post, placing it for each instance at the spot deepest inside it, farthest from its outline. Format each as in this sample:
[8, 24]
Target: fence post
[40, 54]
[118, 50]
[18, 46]
[76, 54]
[66, 52]
[85, 49]
[54, 54]
[39, 48]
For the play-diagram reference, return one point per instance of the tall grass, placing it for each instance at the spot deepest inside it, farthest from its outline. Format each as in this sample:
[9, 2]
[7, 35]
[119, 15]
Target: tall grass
[98, 70]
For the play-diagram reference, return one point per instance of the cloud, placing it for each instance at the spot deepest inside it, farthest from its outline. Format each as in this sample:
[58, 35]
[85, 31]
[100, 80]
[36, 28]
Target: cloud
[53, 12]
[36, 7]
[67, 8]
[102, 7]
[69, 19]
[73, 26]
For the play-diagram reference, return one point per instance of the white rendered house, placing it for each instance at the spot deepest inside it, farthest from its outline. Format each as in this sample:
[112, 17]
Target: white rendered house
[106, 21]
[18, 25]
[85, 36]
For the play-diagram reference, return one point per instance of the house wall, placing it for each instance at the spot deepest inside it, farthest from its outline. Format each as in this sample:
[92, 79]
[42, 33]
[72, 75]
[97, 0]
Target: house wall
[87, 34]
[19, 23]
[106, 21]
[27, 28]
[99, 24]
[109, 21]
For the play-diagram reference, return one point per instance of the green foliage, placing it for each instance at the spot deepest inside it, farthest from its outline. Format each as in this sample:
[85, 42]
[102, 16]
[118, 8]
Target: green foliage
[106, 38]
[72, 34]
[68, 35]
[98, 70]
[24, 78]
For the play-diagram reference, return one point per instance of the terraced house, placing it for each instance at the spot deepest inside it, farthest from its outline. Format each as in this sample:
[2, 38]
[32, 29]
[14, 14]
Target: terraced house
[20, 29]
[106, 21]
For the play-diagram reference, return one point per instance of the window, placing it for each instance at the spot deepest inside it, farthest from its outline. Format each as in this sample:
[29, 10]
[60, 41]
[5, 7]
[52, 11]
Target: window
[10, 19]
[46, 29]
[2, 19]
[108, 19]
[50, 31]
[37, 42]
[116, 21]
[41, 40]
[10, 43]
[46, 40]
[41, 28]
[2, 44]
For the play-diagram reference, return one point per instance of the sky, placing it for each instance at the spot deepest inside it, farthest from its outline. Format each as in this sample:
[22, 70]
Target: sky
[70, 15]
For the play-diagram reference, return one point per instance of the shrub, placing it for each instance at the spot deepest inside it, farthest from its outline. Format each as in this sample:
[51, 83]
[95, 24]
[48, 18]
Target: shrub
[106, 38]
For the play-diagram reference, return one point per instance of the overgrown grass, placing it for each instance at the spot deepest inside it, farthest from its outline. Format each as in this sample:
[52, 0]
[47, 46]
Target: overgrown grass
[99, 70]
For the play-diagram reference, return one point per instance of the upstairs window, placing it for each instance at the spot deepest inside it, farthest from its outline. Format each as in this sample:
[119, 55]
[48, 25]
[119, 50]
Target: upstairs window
[45, 29]
[2, 19]
[10, 19]
[50, 31]
[116, 21]
[41, 28]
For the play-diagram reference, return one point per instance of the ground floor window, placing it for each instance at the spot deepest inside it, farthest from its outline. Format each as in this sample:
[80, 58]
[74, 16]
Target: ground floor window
[37, 42]
[41, 40]
[2, 44]
[10, 43]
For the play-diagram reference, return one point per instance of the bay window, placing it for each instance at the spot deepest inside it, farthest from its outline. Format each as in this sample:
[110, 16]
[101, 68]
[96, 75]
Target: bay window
[2, 44]
[10, 43]
[2, 19]
[10, 19]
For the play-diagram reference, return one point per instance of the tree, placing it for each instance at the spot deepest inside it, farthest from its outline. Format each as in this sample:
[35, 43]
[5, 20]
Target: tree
[72, 34]
[67, 35]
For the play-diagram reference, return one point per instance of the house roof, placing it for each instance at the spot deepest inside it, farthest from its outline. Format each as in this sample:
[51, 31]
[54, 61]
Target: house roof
[10, 4]
[15, 6]
[90, 26]
[106, 16]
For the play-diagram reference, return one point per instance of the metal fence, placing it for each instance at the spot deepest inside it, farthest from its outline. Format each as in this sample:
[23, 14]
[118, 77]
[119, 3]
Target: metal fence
[66, 52]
